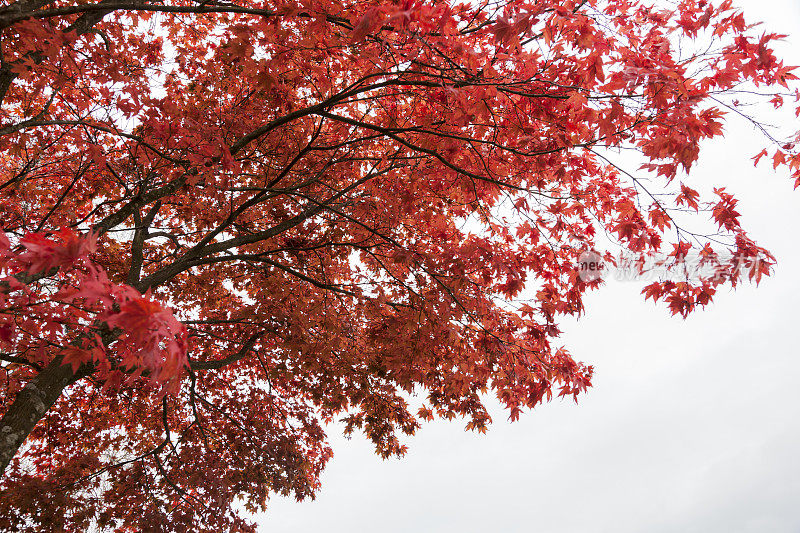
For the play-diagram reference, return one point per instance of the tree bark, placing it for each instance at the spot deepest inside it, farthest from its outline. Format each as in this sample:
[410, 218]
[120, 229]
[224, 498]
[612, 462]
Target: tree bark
[30, 405]
[39, 394]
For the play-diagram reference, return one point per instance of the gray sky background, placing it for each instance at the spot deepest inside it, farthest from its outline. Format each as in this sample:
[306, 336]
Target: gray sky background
[691, 426]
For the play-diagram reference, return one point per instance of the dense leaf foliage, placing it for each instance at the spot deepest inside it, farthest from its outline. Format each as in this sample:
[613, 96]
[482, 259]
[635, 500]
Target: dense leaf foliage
[227, 223]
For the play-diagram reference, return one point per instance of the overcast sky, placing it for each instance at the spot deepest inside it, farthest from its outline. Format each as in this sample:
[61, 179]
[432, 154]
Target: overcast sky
[691, 426]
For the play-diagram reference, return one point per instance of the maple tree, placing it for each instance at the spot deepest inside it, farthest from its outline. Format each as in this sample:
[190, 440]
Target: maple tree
[226, 224]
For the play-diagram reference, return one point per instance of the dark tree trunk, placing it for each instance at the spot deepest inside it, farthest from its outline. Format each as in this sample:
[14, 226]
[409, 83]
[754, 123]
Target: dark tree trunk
[30, 405]
[41, 392]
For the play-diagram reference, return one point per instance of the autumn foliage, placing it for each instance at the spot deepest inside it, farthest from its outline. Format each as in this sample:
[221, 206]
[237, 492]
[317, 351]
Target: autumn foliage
[225, 224]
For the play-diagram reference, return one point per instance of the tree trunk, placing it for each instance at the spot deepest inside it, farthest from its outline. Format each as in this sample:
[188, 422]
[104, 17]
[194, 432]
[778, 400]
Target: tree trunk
[30, 405]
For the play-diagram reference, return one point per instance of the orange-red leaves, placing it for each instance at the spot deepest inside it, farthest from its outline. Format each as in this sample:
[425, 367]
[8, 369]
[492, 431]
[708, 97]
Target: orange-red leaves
[77, 357]
[680, 250]
[368, 22]
[778, 159]
[62, 248]
[654, 291]
[660, 218]
[758, 157]
[507, 33]
[688, 197]
[723, 211]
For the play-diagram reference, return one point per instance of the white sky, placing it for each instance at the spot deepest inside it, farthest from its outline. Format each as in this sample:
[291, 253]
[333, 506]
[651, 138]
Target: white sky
[691, 426]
